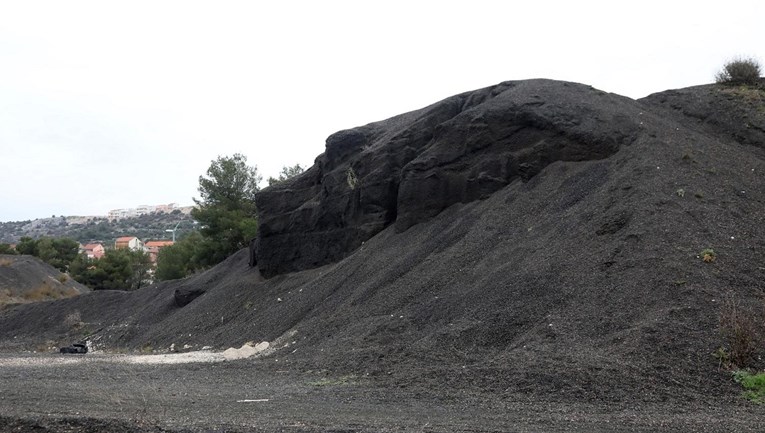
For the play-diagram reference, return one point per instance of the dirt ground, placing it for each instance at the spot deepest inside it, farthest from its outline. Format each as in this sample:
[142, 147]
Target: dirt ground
[55, 393]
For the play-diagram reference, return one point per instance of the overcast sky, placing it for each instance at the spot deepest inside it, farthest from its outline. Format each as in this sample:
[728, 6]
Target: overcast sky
[113, 104]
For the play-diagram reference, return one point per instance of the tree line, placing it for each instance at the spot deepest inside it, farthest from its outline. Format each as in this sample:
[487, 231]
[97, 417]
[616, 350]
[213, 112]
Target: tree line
[225, 214]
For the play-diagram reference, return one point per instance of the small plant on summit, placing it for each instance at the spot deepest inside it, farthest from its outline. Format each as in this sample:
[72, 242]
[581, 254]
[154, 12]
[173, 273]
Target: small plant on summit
[708, 255]
[739, 71]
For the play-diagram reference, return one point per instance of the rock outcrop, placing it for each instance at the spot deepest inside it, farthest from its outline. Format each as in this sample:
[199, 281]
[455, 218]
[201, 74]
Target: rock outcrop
[409, 168]
[185, 295]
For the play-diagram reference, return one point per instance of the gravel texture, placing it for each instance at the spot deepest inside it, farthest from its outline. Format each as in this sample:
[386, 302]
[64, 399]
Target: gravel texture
[95, 394]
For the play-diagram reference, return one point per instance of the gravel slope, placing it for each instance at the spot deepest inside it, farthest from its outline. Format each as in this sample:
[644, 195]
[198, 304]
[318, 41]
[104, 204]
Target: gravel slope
[26, 279]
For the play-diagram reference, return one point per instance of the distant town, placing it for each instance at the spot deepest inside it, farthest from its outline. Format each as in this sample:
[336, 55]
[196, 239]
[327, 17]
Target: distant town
[96, 251]
[146, 209]
[146, 229]
[147, 222]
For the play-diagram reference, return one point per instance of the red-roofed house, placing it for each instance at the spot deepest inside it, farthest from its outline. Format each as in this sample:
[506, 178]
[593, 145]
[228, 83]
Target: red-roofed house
[93, 251]
[129, 242]
[154, 246]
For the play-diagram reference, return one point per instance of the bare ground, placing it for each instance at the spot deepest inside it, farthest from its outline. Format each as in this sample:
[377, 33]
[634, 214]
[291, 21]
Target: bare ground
[106, 393]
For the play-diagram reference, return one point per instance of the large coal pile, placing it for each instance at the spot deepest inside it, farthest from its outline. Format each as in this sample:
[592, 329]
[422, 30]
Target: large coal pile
[407, 169]
[535, 237]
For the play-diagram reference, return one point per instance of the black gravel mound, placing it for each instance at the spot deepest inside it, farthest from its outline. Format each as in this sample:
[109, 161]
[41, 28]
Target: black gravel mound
[536, 239]
[407, 169]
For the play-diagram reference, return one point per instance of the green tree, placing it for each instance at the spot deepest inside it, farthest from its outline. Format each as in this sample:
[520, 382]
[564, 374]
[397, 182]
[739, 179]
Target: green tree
[226, 210]
[58, 252]
[286, 173]
[120, 269]
[140, 265]
[7, 249]
[81, 270]
[182, 258]
[27, 246]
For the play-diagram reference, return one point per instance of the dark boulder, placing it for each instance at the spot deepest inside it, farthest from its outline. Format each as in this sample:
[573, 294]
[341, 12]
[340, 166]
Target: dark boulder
[78, 348]
[184, 296]
[409, 168]
[253, 248]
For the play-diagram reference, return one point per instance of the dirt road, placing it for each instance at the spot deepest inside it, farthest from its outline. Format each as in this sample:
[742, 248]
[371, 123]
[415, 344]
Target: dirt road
[97, 392]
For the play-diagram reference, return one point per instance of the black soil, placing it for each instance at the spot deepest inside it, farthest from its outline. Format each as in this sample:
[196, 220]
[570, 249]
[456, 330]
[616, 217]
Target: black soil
[567, 275]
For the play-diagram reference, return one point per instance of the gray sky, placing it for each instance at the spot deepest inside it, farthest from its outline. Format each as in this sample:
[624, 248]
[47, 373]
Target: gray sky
[110, 104]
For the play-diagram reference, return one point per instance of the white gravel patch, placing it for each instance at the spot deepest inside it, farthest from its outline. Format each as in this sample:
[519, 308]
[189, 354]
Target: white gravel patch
[201, 356]
[174, 358]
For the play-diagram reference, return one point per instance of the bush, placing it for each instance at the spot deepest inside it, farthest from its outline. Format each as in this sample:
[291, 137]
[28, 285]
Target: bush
[738, 325]
[7, 249]
[754, 385]
[708, 255]
[182, 258]
[43, 292]
[739, 71]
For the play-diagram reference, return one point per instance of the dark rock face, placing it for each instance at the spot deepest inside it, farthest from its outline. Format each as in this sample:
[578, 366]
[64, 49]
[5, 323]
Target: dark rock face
[184, 296]
[253, 249]
[409, 168]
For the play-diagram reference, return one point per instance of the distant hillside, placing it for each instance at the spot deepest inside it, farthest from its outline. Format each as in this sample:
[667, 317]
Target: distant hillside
[98, 229]
[26, 279]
